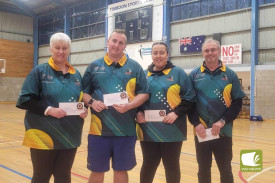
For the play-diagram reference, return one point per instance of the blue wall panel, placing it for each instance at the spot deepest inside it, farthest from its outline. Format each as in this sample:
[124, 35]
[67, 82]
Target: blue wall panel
[176, 13]
[207, 7]
[204, 7]
[230, 5]
[244, 4]
[217, 6]
[185, 11]
[195, 9]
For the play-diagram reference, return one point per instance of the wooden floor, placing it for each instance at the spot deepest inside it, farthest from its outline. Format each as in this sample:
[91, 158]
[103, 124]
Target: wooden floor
[15, 164]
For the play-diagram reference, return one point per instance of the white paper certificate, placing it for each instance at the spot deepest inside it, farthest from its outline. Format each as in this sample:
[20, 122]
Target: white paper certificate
[154, 115]
[115, 98]
[208, 137]
[72, 108]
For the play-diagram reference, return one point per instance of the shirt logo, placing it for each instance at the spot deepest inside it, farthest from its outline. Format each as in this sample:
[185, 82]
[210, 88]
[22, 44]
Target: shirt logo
[47, 78]
[128, 71]
[99, 69]
[170, 78]
[77, 82]
[200, 75]
[224, 77]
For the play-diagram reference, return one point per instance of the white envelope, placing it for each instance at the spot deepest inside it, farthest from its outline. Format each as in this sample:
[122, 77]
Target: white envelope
[115, 98]
[209, 136]
[72, 108]
[154, 115]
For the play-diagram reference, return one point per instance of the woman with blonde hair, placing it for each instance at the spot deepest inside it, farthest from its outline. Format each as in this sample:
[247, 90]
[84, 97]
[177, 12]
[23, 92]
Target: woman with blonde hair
[51, 134]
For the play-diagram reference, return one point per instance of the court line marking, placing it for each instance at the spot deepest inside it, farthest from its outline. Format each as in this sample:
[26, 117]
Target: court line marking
[83, 177]
[30, 178]
[18, 173]
[255, 175]
[241, 176]
[10, 142]
[250, 138]
[11, 147]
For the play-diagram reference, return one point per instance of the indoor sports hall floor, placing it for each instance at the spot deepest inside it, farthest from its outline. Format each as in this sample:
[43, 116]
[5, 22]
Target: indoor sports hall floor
[15, 163]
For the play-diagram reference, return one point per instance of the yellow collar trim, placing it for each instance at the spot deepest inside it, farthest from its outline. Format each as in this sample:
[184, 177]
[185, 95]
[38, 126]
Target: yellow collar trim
[121, 62]
[165, 71]
[202, 68]
[71, 70]
[222, 68]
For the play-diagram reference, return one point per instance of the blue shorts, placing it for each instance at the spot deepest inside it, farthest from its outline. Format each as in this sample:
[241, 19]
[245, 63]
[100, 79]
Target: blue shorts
[102, 148]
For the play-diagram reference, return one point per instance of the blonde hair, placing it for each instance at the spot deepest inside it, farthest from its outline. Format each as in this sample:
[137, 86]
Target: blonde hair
[60, 36]
[119, 31]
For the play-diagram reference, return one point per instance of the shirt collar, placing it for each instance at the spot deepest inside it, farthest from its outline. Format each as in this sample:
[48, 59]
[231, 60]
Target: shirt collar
[221, 66]
[108, 61]
[55, 67]
[165, 72]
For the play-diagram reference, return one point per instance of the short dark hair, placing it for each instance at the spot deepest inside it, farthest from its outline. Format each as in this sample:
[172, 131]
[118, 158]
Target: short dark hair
[161, 43]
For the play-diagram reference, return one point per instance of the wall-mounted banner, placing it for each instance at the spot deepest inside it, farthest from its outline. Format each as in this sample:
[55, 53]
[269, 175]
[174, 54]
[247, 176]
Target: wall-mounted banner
[191, 44]
[231, 54]
[140, 53]
[145, 51]
[127, 5]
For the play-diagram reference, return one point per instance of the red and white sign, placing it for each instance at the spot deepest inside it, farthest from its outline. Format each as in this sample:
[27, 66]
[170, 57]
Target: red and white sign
[231, 54]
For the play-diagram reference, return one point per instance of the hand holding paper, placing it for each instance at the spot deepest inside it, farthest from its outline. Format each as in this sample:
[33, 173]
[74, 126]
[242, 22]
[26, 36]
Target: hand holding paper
[72, 108]
[208, 137]
[115, 98]
[154, 115]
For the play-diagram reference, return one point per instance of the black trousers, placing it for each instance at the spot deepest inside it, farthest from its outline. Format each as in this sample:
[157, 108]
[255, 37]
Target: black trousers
[52, 162]
[153, 152]
[222, 150]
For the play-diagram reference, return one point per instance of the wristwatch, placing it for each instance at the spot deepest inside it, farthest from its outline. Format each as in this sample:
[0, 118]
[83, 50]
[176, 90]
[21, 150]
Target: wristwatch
[222, 121]
[91, 101]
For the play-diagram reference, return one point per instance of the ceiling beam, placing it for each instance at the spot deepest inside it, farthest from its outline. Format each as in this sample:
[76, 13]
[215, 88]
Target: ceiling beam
[23, 7]
[13, 10]
[59, 2]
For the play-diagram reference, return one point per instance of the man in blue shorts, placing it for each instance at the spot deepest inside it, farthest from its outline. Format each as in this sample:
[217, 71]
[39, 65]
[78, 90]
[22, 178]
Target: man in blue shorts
[218, 103]
[114, 86]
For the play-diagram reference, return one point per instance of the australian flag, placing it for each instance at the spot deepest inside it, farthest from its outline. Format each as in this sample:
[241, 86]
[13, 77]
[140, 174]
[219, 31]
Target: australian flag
[191, 44]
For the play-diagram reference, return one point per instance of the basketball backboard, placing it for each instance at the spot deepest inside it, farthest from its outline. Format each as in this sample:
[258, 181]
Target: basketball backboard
[2, 65]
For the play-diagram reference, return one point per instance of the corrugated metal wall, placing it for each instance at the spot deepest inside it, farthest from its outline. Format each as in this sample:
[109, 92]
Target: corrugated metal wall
[16, 27]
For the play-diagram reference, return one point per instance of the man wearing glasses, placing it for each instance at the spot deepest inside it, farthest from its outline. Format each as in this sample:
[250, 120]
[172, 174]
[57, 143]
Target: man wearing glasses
[218, 103]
